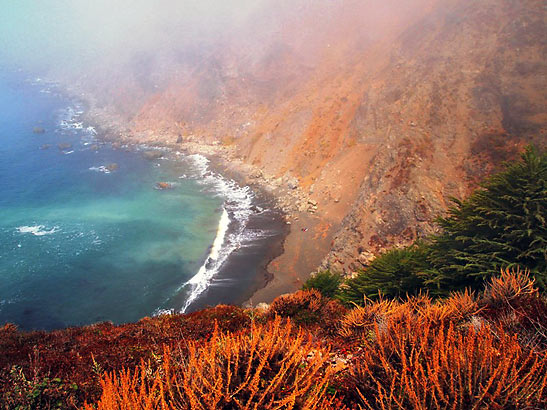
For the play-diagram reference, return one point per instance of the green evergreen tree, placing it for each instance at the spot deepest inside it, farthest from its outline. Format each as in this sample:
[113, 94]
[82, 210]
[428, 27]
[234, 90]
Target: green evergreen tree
[325, 282]
[395, 273]
[502, 224]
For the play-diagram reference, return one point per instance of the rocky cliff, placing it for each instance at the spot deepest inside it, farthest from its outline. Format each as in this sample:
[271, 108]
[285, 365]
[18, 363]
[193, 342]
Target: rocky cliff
[371, 116]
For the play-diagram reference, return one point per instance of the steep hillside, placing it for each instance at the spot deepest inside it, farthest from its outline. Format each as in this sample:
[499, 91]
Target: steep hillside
[376, 113]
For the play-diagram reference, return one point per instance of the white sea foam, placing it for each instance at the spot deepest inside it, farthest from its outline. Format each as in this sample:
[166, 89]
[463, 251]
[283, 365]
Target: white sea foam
[232, 232]
[201, 280]
[102, 169]
[37, 230]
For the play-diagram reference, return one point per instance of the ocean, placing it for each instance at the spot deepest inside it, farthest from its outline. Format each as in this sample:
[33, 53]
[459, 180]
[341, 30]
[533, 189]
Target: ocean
[91, 233]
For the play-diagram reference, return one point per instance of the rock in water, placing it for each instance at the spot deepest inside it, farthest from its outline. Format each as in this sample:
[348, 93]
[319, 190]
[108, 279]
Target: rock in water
[112, 167]
[62, 146]
[163, 185]
[38, 130]
[151, 155]
[45, 146]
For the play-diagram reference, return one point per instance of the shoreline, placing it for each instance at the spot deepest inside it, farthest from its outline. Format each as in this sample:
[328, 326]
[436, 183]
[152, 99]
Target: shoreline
[289, 260]
[289, 263]
[223, 165]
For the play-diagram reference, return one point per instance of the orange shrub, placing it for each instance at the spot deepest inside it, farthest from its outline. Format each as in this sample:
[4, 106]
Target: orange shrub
[509, 287]
[421, 365]
[308, 307]
[463, 305]
[514, 303]
[273, 366]
[361, 321]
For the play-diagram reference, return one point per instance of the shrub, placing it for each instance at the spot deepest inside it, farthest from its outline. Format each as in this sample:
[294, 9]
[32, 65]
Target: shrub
[325, 282]
[308, 308]
[512, 286]
[395, 273]
[303, 306]
[418, 364]
[272, 366]
[463, 305]
[502, 225]
[361, 321]
[513, 302]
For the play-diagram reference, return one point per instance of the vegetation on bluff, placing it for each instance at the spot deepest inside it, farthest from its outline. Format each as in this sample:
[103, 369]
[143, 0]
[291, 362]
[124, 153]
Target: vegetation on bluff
[503, 224]
[485, 350]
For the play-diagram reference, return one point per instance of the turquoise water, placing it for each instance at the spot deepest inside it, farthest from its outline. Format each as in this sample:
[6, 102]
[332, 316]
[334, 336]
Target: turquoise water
[79, 245]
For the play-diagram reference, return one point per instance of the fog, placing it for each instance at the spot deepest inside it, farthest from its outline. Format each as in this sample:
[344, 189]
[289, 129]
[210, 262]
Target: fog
[49, 34]
[124, 53]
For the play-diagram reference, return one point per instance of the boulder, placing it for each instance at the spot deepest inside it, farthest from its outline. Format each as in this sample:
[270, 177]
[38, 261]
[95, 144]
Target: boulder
[179, 139]
[256, 174]
[292, 183]
[163, 185]
[64, 145]
[365, 258]
[112, 167]
[151, 155]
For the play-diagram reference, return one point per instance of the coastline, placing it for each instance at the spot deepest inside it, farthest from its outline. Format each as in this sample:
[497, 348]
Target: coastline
[290, 260]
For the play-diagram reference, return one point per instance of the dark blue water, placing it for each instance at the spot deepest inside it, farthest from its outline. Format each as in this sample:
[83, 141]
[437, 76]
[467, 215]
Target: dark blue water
[79, 245]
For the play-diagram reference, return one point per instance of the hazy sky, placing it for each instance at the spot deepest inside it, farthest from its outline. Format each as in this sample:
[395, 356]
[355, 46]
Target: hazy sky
[49, 32]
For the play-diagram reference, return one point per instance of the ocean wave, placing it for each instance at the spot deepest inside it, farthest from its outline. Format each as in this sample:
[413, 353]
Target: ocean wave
[37, 230]
[201, 280]
[161, 312]
[232, 233]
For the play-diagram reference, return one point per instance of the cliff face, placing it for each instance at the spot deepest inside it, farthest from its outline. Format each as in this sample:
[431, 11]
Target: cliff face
[380, 113]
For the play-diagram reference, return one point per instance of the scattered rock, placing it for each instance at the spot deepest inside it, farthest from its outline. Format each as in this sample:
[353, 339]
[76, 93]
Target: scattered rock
[151, 155]
[256, 174]
[38, 130]
[365, 258]
[64, 145]
[292, 183]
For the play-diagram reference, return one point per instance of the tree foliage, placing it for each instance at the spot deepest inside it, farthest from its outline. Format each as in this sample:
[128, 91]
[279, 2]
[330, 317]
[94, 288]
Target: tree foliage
[325, 282]
[501, 225]
[395, 273]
